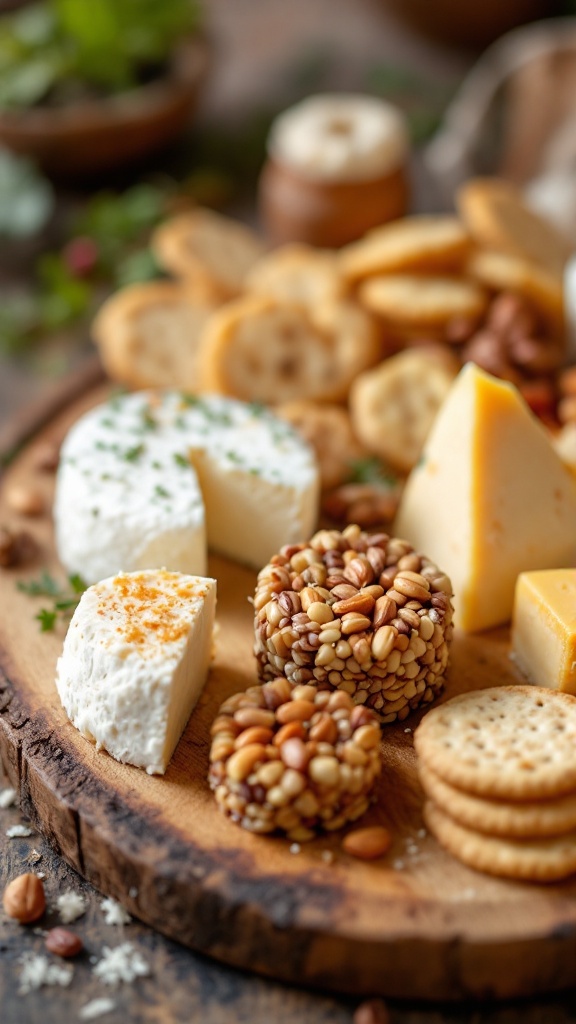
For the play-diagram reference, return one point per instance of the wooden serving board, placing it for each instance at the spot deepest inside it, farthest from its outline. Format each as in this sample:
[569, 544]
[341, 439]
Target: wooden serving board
[416, 924]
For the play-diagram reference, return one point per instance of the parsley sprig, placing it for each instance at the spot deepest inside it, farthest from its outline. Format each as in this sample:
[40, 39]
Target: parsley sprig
[64, 599]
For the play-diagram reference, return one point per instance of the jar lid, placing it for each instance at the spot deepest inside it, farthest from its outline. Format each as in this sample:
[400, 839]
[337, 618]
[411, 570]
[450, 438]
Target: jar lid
[340, 137]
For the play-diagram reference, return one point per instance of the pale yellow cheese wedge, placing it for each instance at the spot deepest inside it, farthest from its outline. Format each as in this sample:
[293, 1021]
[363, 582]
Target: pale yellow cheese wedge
[544, 628]
[489, 499]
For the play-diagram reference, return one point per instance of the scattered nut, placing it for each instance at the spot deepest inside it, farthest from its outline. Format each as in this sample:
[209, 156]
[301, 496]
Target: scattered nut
[367, 843]
[373, 1011]
[26, 501]
[63, 942]
[47, 457]
[16, 547]
[24, 898]
[365, 504]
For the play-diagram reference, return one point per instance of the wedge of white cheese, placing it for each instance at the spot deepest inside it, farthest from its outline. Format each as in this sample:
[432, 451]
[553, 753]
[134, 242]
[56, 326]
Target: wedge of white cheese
[135, 659]
[147, 479]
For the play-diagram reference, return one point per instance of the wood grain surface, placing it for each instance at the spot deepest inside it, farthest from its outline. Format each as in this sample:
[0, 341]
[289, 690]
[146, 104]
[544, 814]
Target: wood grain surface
[347, 926]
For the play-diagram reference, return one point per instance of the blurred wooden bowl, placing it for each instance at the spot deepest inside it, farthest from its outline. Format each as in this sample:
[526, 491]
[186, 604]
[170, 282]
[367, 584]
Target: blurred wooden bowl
[93, 136]
[464, 24]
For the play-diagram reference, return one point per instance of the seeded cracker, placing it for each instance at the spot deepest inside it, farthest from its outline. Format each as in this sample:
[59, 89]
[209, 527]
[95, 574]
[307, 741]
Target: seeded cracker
[536, 860]
[359, 612]
[509, 742]
[293, 760]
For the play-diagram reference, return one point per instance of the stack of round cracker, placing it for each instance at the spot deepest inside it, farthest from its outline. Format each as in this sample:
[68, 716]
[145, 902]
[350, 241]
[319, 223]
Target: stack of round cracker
[498, 767]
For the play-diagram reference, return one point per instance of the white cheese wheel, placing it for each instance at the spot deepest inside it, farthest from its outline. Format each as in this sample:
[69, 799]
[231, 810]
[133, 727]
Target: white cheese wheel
[147, 478]
[134, 662]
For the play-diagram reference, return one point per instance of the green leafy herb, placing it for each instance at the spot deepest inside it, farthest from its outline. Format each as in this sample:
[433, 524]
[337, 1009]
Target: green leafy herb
[161, 491]
[77, 583]
[148, 421]
[133, 454]
[372, 471]
[47, 619]
[181, 460]
[55, 49]
[45, 586]
[64, 599]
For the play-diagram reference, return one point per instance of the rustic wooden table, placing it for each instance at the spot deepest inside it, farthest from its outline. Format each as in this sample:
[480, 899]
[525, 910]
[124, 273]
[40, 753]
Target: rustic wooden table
[254, 40]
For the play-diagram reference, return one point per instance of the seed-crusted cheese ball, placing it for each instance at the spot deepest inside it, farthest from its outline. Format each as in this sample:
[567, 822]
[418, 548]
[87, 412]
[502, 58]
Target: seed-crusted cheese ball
[293, 759]
[359, 612]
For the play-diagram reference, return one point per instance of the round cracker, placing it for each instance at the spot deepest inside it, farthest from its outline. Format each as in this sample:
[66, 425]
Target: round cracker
[500, 817]
[496, 215]
[502, 272]
[393, 406]
[419, 243]
[297, 273]
[422, 303]
[262, 350]
[213, 252]
[328, 429]
[530, 860]
[148, 335]
[508, 742]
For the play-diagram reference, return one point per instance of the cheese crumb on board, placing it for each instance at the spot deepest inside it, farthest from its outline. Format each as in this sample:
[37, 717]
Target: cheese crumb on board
[135, 659]
[489, 499]
[71, 905]
[7, 798]
[114, 912]
[38, 970]
[19, 832]
[146, 479]
[122, 963]
[544, 628]
[96, 1008]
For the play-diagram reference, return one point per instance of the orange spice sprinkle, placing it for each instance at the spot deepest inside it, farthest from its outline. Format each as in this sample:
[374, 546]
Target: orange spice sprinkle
[148, 609]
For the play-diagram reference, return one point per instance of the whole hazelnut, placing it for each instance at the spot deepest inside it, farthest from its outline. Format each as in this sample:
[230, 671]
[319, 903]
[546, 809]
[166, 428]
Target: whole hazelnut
[24, 898]
[25, 500]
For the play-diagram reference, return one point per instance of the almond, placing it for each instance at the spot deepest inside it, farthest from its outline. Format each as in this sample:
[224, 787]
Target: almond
[367, 843]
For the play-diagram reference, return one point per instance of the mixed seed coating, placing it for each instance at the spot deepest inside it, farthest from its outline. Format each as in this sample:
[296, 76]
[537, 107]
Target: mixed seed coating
[295, 760]
[359, 612]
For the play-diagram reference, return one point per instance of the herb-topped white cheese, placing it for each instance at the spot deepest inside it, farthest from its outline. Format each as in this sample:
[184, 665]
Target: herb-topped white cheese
[135, 659]
[146, 479]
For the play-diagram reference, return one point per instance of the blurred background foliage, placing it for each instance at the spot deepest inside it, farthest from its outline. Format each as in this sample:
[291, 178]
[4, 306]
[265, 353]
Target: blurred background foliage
[55, 51]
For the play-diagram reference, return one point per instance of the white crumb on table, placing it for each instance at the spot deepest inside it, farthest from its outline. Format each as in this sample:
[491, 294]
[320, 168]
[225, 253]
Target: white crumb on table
[71, 905]
[114, 912]
[7, 797]
[97, 1008]
[19, 832]
[38, 970]
[133, 892]
[295, 848]
[123, 963]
